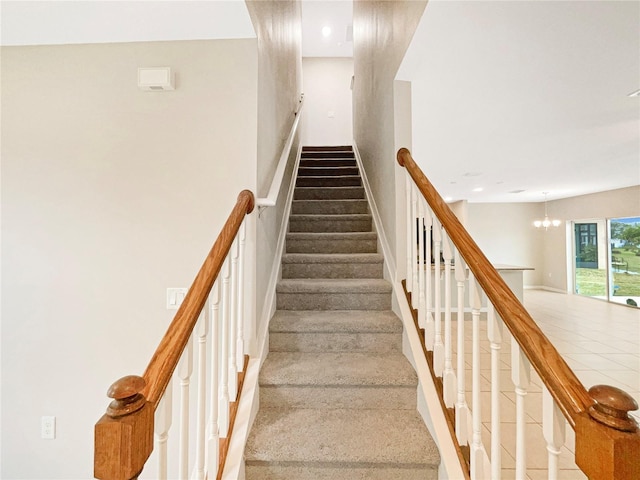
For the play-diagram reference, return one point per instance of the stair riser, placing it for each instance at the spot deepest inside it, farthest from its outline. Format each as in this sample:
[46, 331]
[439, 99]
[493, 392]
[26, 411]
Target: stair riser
[327, 148]
[333, 246]
[333, 301]
[329, 207]
[327, 154]
[316, 193]
[308, 472]
[335, 342]
[312, 225]
[328, 162]
[333, 270]
[336, 181]
[292, 396]
[317, 171]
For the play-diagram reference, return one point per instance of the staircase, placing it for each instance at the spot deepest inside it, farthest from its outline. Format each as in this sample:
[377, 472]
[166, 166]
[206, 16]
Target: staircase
[337, 396]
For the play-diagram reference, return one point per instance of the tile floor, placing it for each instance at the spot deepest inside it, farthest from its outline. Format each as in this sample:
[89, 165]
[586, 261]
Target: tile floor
[600, 341]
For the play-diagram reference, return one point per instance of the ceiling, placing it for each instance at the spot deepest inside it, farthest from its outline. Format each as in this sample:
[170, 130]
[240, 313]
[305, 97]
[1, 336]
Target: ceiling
[524, 95]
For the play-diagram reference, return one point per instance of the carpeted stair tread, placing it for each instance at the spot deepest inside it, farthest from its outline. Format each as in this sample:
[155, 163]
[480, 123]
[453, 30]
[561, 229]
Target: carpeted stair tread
[332, 265]
[330, 181]
[337, 368]
[336, 471]
[332, 258]
[335, 193]
[375, 438]
[330, 223]
[329, 207]
[321, 285]
[347, 321]
[323, 171]
[328, 162]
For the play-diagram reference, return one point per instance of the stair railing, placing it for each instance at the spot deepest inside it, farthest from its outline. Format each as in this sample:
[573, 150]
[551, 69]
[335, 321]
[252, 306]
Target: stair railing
[607, 438]
[142, 413]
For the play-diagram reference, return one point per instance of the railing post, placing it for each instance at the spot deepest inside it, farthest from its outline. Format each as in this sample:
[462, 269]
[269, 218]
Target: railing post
[124, 435]
[607, 438]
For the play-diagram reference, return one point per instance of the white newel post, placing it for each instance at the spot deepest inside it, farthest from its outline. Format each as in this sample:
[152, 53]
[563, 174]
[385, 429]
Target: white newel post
[429, 332]
[414, 259]
[494, 332]
[449, 377]
[520, 375]
[422, 315]
[410, 241]
[184, 370]
[213, 438]
[477, 453]
[202, 332]
[233, 323]
[240, 350]
[554, 430]
[223, 416]
[462, 409]
[162, 424]
[438, 345]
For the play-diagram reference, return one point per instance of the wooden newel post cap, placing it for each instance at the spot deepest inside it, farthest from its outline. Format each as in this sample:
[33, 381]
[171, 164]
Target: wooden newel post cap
[612, 407]
[127, 396]
[400, 154]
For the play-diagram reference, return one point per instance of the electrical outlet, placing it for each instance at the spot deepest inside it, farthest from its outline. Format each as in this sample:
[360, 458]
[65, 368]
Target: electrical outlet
[48, 428]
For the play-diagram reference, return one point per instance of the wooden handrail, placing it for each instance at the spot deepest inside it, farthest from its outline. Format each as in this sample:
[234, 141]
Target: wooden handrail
[276, 182]
[124, 435]
[166, 356]
[605, 433]
[562, 383]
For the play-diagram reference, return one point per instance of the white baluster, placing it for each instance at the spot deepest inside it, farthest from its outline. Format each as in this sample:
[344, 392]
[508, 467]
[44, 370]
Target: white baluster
[162, 424]
[449, 376]
[414, 240]
[429, 332]
[494, 333]
[185, 369]
[462, 409]
[520, 375]
[554, 430]
[438, 346]
[233, 323]
[422, 314]
[202, 332]
[213, 438]
[241, 289]
[410, 238]
[477, 452]
[223, 416]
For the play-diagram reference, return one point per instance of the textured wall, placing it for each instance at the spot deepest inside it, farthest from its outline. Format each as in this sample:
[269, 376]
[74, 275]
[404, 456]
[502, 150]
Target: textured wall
[109, 196]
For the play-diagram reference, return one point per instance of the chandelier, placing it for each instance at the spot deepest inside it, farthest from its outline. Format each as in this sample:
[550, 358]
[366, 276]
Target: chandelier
[546, 223]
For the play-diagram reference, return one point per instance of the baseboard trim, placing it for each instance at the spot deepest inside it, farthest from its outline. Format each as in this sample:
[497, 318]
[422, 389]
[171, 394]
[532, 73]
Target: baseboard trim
[389, 261]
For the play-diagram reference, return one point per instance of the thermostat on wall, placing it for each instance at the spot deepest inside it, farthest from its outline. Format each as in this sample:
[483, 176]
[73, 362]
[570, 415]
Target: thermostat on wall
[156, 79]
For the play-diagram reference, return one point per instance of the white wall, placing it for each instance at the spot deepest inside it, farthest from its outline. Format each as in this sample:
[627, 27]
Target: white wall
[109, 196]
[505, 233]
[378, 50]
[327, 101]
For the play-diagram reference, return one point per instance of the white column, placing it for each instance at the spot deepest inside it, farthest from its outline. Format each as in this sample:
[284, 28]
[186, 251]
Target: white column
[233, 323]
[477, 452]
[414, 258]
[410, 238]
[422, 314]
[438, 346]
[429, 332]
[462, 409]
[449, 376]
[554, 430]
[494, 332]
[223, 416]
[213, 438]
[202, 332]
[162, 424]
[240, 350]
[184, 370]
[520, 375]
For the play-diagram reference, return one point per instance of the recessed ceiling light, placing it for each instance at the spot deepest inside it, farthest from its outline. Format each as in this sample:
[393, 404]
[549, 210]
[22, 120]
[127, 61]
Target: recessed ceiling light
[477, 189]
[516, 191]
[326, 31]
[448, 199]
[472, 174]
[635, 94]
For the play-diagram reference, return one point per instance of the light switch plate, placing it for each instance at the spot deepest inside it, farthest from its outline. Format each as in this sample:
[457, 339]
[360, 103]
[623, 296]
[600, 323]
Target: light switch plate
[175, 297]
